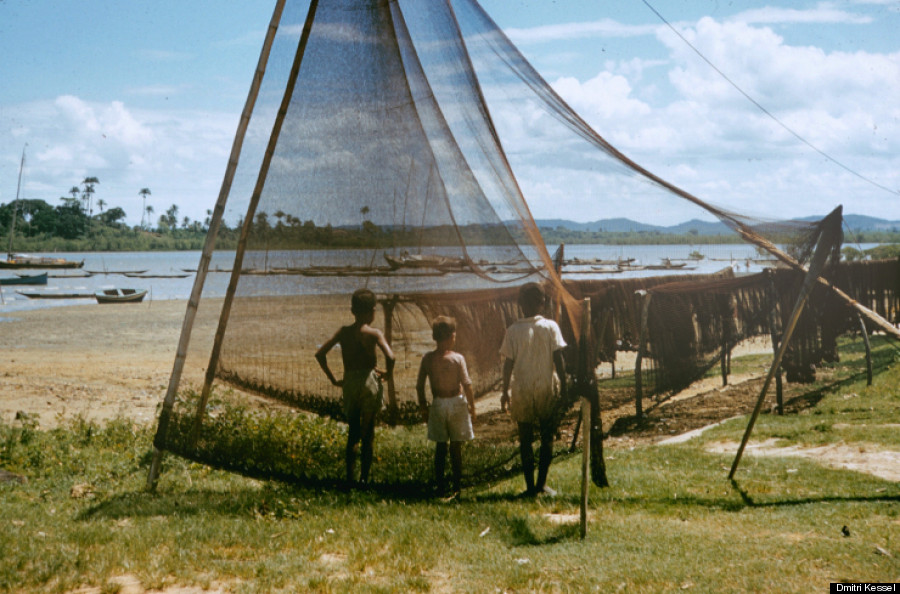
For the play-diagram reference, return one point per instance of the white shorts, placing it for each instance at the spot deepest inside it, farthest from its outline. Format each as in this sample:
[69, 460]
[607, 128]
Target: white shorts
[449, 420]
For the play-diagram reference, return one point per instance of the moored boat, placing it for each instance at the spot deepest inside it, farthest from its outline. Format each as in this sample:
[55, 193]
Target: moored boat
[26, 261]
[25, 279]
[53, 295]
[120, 295]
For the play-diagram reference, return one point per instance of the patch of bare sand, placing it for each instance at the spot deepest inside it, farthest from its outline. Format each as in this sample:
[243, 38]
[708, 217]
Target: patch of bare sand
[94, 361]
[130, 584]
[867, 458]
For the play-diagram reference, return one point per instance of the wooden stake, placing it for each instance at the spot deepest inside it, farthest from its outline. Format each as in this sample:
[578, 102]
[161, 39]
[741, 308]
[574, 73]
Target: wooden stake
[208, 246]
[642, 338]
[583, 369]
[831, 230]
[773, 332]
[865, 333]
[388, 307]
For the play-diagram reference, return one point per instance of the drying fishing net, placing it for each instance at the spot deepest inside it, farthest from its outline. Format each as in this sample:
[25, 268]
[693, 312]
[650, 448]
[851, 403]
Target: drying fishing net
[392, 145]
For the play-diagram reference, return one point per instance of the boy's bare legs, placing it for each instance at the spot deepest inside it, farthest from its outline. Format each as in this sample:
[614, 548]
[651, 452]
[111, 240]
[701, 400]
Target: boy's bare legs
[368, 437]
[526, 453]
[353, 436]
[440, 464]
[545, 457]
[456, 464]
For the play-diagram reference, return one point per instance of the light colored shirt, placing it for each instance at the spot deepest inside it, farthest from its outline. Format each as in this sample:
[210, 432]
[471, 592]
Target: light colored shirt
[530, 343]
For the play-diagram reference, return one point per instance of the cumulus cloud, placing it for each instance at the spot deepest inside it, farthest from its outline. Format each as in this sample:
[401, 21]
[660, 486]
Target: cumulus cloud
[710, 139]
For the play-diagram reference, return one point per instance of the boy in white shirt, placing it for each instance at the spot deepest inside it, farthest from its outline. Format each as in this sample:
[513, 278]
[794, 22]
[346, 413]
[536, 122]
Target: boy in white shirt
[535, 368]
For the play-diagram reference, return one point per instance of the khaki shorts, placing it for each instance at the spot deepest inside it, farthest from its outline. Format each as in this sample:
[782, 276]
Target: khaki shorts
[449, 420]
[363, 394]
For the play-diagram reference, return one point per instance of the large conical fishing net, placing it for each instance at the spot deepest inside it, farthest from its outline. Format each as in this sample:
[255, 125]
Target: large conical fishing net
[389, 147]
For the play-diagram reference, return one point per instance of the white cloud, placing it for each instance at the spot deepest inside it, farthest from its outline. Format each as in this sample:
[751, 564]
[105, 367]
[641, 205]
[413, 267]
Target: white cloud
[181, 156]
[712, 141]
[823, 13]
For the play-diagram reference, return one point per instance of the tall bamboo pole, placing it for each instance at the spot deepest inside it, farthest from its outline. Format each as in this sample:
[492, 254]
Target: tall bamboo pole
[208, 246]
[642, 338]
[584, 368]
[248, 221]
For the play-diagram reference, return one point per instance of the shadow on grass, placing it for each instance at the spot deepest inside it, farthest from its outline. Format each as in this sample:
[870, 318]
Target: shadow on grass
[748, 501]
[522, 533]
[649, 423]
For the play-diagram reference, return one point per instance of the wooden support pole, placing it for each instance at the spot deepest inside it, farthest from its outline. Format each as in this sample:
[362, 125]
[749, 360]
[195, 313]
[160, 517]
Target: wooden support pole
[585, 367]
[865, 333]
[772, 294]
[231, 290]
[208, 246]
[825, 243]
[724, 360]
[388, 307]
[642, 338]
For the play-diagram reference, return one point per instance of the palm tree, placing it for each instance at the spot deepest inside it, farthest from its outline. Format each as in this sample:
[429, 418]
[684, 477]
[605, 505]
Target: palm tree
[149, 210]
[101, 204]
[144, 193]
[172, 216]
[87, 195]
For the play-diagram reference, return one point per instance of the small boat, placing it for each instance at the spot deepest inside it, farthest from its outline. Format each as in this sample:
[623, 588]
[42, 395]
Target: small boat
[134, 275]
[120, 295]
[25, 279]
[51, 295]
[422, 261]
[117, 271]
[25, 261]
[82, 274]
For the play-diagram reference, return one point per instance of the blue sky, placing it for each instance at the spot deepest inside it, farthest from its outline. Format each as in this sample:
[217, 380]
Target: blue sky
[149, 95]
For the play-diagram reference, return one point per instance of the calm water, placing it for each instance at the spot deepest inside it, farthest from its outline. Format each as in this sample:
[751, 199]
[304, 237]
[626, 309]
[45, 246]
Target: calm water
[716, 257]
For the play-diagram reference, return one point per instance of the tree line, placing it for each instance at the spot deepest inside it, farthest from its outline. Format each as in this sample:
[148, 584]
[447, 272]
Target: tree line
[72, 226]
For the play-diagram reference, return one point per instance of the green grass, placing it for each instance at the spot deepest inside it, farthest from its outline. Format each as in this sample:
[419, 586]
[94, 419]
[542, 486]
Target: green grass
[670, 522]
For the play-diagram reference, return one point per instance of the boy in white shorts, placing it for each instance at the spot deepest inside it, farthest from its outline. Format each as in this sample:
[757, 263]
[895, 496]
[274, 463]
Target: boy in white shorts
[451, 414]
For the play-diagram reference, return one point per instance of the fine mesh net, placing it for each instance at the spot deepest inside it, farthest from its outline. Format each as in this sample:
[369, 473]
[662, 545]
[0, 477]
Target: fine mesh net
[391, 147]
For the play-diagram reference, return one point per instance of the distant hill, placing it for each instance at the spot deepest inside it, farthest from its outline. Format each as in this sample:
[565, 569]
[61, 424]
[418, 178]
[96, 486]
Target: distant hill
[622, 225]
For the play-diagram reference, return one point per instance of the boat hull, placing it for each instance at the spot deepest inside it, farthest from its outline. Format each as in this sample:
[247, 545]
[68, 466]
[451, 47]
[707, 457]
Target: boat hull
[120, 296]
[39, 263]
[33, 279]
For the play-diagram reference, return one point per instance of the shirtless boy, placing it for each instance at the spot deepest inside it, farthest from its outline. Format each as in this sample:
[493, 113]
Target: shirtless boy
[450, 416]
[361, 385]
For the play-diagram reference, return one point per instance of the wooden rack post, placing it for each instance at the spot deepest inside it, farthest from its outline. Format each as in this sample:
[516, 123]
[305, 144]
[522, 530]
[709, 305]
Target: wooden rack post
[585, 367]
[388, 306]
[642, 338]
[865, 333]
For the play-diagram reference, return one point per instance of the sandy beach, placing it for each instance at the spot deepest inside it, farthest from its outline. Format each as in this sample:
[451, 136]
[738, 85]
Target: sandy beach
[91, 360]
[100, 362]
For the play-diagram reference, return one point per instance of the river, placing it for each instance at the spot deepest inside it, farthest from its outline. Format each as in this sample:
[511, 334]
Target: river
[108, 266]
